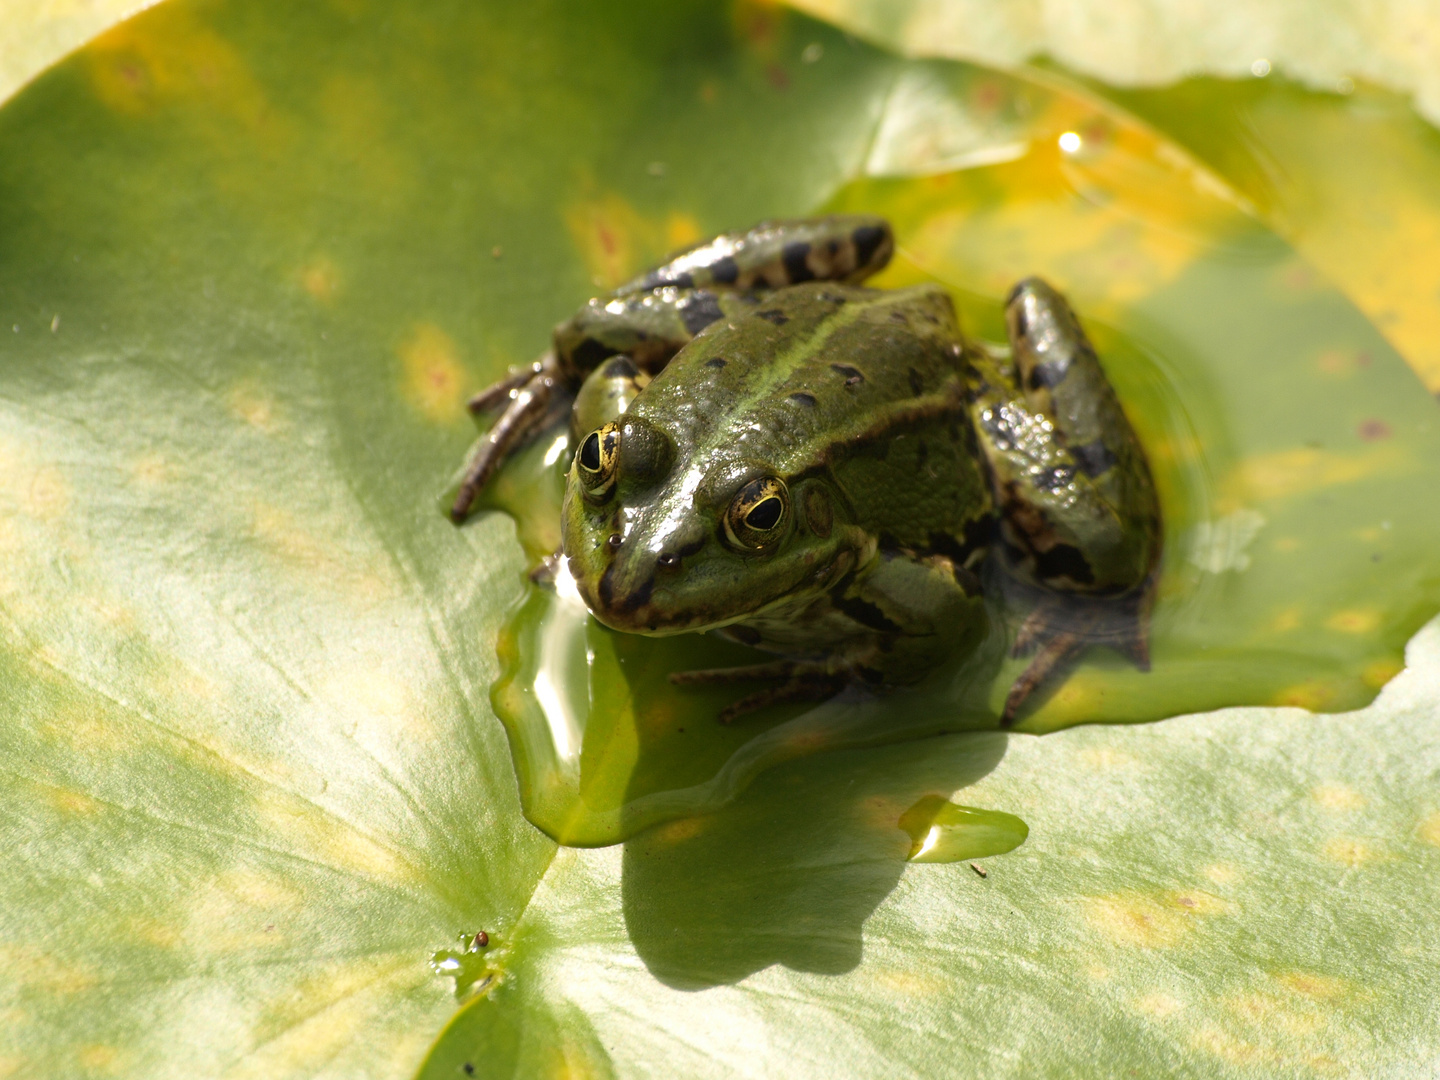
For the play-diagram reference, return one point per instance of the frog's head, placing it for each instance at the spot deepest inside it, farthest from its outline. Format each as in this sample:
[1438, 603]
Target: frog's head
[663, 540]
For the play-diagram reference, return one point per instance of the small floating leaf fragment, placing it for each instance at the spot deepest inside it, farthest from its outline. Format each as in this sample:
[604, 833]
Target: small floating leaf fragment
[941, 831]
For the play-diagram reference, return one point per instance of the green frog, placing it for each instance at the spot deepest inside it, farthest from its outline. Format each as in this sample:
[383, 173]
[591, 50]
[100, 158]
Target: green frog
[834, 474]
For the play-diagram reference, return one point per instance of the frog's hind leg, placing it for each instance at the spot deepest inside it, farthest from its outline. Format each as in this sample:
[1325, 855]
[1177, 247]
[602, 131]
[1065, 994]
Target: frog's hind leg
[528, 396]
[803, 680]
[1080, 521]
[1059, 628]
[840, 247]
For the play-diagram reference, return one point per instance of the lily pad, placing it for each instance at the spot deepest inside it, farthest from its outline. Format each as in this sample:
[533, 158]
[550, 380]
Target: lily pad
[1271, 408]
[253, 259]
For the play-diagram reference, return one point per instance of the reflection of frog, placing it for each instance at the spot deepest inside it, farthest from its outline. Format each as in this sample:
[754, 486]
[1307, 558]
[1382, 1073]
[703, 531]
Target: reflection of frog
[819, 470]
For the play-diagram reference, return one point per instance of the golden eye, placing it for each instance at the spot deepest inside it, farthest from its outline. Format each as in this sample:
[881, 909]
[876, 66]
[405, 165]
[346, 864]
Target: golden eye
[596, 459]
[759, 513]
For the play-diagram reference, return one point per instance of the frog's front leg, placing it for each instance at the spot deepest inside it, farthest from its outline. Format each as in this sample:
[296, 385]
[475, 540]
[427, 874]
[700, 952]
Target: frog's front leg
[1079, 515]
[645, 330]
[888, 624]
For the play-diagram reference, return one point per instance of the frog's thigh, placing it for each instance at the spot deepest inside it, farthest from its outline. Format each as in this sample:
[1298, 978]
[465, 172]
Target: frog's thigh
[1077, 504]
[648, 327]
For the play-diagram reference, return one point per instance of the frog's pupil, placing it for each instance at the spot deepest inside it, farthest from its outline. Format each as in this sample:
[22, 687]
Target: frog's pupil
[764, 515]
[590, 453]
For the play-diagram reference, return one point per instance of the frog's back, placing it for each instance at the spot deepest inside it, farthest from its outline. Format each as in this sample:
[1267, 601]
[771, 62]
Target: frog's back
[865, 386]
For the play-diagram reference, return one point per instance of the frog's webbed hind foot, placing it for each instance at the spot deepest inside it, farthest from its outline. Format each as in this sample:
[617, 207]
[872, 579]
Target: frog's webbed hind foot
[802, 681]
[527, 396]
[1058, 629]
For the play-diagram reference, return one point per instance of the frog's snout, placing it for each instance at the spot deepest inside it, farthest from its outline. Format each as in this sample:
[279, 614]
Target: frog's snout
[624, 594]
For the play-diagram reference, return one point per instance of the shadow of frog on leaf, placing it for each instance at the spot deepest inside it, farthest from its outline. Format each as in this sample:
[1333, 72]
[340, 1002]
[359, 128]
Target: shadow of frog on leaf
[789, 872]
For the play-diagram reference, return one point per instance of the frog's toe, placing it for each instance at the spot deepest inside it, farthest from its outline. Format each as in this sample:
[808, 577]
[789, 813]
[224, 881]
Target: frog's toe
[798, 688]
[804, 680]
[777, 669]
[527, 411]
[1033, 631]
[1058, 629]
[498, 392]
[1053, 650]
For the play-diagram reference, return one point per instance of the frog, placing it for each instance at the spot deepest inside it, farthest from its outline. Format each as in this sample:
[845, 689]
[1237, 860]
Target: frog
[836, 475]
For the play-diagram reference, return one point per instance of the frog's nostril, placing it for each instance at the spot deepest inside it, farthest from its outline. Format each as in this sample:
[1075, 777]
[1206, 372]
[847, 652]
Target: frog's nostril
[614, 540]
[668, 559]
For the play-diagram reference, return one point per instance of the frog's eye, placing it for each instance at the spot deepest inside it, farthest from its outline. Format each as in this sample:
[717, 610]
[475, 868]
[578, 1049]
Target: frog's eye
[758, 515]
[596, 459]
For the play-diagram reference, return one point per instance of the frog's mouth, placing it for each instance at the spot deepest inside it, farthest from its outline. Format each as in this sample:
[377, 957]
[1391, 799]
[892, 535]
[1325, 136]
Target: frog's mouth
[632, 609]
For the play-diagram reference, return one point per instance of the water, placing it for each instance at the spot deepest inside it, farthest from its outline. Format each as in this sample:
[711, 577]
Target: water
[1295, 453]
[941, 831]
[465, 963]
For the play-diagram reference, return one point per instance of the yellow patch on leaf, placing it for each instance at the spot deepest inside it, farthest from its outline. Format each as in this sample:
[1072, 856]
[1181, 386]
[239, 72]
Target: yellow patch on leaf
[1313, 695]
[74, 803]
[1222, 873]
[433, 378]
[1429, 830]
[1349, 851]
[252, 403]
[1319, 987]
[1151, 922]
[612, 237]
[98, 1056]
[1358, 621]
[139, 66]
[1379, 672]
[319, 835]
[47, 497]
[320, 277]
[1159, 1005]
[1337, 797]
[1285, 473]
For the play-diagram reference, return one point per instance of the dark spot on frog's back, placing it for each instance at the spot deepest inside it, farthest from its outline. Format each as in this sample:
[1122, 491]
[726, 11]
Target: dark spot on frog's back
[802, 398]
[621, 367]
[716, 362]
[796, 268]
[868, 239]
[1049, 374]
[700, 310]
[726, 271]
[1093, 458]
[917, 383]
[773, 315]
[853, 375]
[590, 353]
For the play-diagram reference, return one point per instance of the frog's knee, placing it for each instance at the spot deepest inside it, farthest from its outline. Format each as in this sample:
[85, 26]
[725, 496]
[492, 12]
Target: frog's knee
[605, 394]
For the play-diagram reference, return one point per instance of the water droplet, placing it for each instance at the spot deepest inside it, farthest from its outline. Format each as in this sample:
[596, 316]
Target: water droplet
[942, 831]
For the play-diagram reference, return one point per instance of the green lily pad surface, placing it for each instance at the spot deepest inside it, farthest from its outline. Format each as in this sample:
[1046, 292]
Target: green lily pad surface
[1285, 432]
[254, 258]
